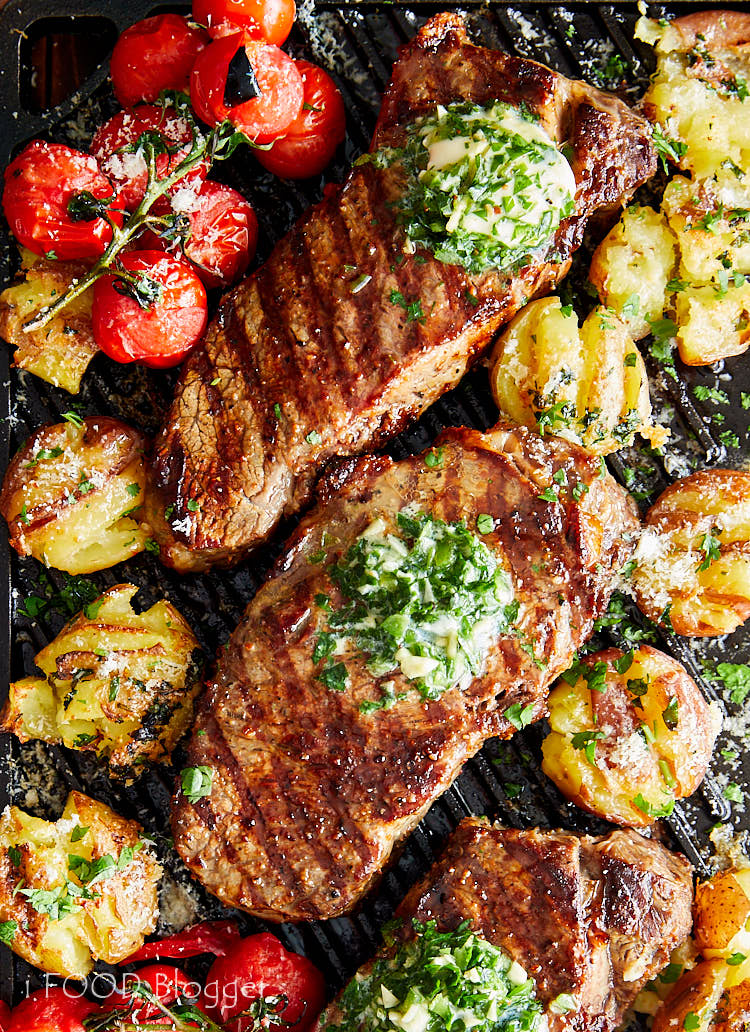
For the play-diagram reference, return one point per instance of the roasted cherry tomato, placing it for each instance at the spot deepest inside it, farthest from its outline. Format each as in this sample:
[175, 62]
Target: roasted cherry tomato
[115, 148]
[153, 55]
[272, 76]
[223, 233]
[39, 187]
[166, 982]
[51, 1010]
[270, 20]
[258, 968]
[4, 1016]
[162, 333]
[215, 937]
[311, 140]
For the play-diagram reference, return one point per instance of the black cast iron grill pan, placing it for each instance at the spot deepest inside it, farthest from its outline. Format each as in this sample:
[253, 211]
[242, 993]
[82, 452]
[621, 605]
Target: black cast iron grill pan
[357, 43]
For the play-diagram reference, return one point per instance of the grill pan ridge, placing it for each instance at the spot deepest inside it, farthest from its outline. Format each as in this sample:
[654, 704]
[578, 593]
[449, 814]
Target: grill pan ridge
[357, 42]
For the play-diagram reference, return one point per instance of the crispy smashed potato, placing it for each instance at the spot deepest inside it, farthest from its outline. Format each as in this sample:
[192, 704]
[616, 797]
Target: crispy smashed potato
[733, 1009]
[699, 95]
[694, 999]
[629, 735]
[721, 921]
[632, 266]
[80, 889]
[693, 557]
[71, 492]
[116, 682]
[585, 383]
[689, 263]
[61, 351]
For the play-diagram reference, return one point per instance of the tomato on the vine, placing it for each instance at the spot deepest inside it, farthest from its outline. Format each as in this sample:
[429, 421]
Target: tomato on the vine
[115, 146]
[153, 55]
[167, 983]
[270, 20]
[39, 201]
[311, 140]
[260, 72]
[259, 976]
[223, 233]
[161, 327]
[4, 1016]
[51, 1010]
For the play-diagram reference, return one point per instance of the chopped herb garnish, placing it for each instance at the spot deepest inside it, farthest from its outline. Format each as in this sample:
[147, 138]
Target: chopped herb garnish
[518, 715]
[193, 505]
[710, 547]
[587, 740]
[196, 782]
[653, 809]
[485, 523]
[434, 457]
[314, 437]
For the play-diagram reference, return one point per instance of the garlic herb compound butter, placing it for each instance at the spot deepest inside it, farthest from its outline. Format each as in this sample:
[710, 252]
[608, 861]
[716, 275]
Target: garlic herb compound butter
[440, 982]
[488, 186]
[426, 601]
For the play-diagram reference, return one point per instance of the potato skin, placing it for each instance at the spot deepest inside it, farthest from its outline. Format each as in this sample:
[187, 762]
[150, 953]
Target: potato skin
[696, 992]
[115, 682]
[721, 912]
[667, 762]
[109, 926]
[705, 512]
[70, 492]
[733, 1010]
[61, 351]
[587, 384]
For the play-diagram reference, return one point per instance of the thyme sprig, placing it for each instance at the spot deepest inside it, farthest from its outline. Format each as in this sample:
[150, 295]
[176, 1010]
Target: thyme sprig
[216, 145]
[184, 1015]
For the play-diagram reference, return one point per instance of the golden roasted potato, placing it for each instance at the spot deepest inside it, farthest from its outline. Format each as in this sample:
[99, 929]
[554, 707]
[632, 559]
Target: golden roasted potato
[698, 96]
[632, 266]
[693, 558]
[682, 959]
[721, 920]
[733, 1010]
[692, 1003]
[61, 351]
[79, 889]
[585, 383]
[116, 682]
[631, 734]
[71, 491]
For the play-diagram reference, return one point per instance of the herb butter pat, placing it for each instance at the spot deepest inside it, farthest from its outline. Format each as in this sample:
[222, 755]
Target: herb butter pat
[428, 600]
[440, 981]
[487, 186]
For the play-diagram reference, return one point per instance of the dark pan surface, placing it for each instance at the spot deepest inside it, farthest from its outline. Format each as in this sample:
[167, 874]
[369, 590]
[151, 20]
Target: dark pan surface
[357, 43]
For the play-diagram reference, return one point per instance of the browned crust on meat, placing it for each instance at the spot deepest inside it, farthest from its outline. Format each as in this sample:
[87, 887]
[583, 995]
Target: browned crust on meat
[297, 368]
[592, 917]
[309, 794]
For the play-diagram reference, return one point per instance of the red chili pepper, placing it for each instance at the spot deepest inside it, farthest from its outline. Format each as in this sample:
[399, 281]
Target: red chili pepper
[215, 937]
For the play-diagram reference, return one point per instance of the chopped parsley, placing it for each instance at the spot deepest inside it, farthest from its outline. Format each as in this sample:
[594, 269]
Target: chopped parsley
[485, 523]
[314, 437]
[412, 308]
[426, 600]
[8, 931]
[710, 548]
[434, 457]
[196, 782]
[440, 981]
[667, 148]
[587, 740]
[713, 394]
[735, 677]
[653, 809]
[518, 715]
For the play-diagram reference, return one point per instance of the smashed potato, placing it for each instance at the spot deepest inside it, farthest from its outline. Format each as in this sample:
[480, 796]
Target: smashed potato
[76, 890]
[116, 682]
[585, 383]
[694, 998]
[630, 733]
[699, 96]
[721, 921]
[632, 266]
[71, 492]
[61, 351]
[693, 558]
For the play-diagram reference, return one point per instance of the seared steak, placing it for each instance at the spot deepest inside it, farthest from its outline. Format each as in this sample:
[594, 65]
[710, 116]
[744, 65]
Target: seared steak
[592, 918]
[308, 792]
[301, 365]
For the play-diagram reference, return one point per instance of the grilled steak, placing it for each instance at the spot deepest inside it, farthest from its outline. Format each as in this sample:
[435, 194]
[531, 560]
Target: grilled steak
[594, 918]
[308, 792]
[300, 365]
